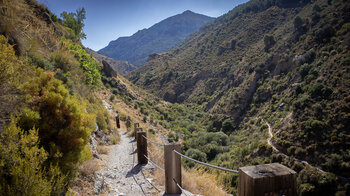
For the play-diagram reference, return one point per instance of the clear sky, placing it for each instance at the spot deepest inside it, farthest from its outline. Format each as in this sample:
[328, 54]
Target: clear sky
[106, 20]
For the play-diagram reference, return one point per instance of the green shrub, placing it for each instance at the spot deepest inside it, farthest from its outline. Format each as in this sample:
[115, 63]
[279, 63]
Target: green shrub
[9, 64]
[112, 97]
[88, 64]
[39, 61]
[301, 103]
[171, 137]
[269, 41]
[227, 126]
[143, 110]
[23, 170]
[308, 57]
[324, 34]
[313, 127]
[299, 89]
[101, 119]
[320, 90]
[195, 154]
[304, 69]
[314, 182]
[298, 23]
[28, 119]
[64, 126]
[60, 60]
[53, 17]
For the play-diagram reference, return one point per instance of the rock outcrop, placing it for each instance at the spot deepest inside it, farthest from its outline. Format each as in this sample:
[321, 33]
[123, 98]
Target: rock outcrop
[108, 69]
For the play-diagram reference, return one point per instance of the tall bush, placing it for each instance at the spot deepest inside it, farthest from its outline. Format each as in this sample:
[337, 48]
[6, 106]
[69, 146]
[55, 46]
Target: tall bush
[22, 164]
[269, 41]
[64, 126]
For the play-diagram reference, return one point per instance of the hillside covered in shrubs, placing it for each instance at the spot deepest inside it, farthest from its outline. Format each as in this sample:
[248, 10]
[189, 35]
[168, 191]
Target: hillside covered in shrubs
[48, 102]
[281, 62]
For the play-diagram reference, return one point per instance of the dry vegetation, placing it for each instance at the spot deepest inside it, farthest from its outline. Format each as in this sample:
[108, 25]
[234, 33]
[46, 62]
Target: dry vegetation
[102, 149]
[84, 185]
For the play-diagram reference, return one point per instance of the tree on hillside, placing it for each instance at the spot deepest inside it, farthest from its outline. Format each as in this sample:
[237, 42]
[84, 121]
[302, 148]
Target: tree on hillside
[75, 21]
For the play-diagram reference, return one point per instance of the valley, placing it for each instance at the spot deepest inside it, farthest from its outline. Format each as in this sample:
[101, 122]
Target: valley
[267, 82]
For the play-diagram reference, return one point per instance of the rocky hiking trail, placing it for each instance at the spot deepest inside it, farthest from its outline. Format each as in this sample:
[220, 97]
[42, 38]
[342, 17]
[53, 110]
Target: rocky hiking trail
[121, 175]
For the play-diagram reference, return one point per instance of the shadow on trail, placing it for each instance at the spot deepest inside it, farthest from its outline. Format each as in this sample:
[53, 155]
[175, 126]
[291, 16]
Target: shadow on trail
[135, 170]
[133, 152]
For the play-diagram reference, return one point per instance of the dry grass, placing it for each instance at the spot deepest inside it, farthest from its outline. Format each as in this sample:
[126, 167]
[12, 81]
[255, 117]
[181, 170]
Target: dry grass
[195, 181]
[26, 25]
[84, 185]
[157, 156]
[201, 183]
[102, 149]
[88, 168]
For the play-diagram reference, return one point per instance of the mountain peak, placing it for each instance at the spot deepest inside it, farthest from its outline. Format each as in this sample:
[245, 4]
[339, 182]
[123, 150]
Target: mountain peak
[188, 12]
[157, 39]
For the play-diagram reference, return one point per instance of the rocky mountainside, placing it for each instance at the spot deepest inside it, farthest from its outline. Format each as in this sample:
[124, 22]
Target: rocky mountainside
[159, 38]
[286, 62]
[121, 67]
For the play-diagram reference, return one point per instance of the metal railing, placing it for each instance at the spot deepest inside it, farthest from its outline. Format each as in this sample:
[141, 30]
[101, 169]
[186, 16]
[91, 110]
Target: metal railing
[206, 164]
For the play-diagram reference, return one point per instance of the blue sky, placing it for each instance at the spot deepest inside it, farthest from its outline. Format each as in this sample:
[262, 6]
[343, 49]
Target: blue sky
[109, 19]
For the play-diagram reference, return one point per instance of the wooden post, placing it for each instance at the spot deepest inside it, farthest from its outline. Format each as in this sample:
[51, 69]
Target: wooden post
[128, 123]
[172, 166]
[141, 147]
[117, 121]
[138, 130]
[136, 125]
[269, 179]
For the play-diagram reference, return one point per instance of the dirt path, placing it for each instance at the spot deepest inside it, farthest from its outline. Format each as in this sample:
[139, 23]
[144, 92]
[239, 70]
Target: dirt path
[270, 138]
[278, 151]
[121, 173]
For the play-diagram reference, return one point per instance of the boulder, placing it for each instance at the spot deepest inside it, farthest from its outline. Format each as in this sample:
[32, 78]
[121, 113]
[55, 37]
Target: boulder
[108, 69]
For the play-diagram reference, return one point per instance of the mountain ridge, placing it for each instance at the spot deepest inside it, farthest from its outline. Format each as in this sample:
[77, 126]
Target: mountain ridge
[158, 38]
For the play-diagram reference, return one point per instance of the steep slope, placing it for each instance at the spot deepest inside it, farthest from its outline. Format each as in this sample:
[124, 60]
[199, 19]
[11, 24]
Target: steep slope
[283, 61]
[49, 106]
[158, 38]
[122, 67]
